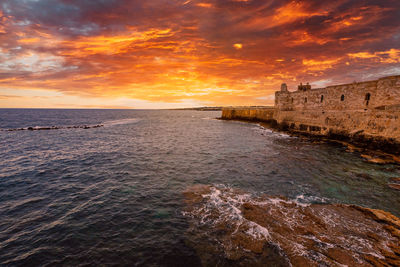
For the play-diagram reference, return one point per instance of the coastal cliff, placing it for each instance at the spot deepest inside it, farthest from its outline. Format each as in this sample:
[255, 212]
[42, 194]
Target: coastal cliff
[366, 114]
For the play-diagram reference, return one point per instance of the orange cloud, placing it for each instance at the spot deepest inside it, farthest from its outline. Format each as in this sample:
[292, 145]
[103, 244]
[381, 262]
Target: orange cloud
[190, 52]
[110, 44]
[293, 11]
[205, 5]
[389, 56]
[28, 40]
[238, 46]
[297, 38]
[320, 65]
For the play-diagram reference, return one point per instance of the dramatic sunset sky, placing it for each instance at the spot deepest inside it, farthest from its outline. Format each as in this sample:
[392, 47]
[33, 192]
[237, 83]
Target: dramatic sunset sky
[183, 53]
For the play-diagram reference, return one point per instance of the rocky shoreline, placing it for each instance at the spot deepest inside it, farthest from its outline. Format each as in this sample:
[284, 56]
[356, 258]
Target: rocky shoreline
[373, 149]
[372, 125]
[379, 151]
[368, 142]
[233, 228]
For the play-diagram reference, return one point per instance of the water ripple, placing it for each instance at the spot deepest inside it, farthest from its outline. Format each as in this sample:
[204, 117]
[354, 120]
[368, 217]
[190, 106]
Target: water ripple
[113, 195]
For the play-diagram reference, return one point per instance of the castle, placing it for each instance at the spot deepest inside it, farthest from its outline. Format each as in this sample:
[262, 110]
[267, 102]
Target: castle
[382, 94]
[366, 113]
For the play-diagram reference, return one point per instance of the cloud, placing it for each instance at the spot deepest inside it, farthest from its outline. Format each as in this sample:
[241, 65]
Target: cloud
[390, 56]
[217, 52]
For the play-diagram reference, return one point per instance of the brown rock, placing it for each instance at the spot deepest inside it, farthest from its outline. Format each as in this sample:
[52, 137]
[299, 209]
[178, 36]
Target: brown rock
[396, 180]
[376, 160]
[241, 230]
[394, 186]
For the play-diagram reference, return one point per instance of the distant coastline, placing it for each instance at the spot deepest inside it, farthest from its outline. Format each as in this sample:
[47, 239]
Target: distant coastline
[219, 108]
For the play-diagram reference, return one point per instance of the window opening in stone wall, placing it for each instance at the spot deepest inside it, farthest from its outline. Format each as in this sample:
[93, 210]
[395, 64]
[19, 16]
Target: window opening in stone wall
[342, 98]
[322, 98]
[305, 100]
[367, 98]
[292, 100]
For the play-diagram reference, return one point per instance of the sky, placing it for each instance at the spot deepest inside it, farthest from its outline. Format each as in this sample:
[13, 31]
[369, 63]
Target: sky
[186, 53]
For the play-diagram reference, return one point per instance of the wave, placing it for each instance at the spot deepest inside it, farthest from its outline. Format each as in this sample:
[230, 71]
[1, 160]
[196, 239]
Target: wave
[266, 131]
[303, 198]
[237, 226]
[121, 121]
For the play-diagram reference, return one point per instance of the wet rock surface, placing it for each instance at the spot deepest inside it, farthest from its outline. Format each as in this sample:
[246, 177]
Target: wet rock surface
[394, 183]
[232, 228]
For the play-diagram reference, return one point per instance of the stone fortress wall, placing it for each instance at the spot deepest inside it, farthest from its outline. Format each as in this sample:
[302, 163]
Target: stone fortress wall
[257, 114]
[359, 112]
[380, 94]
[364, 113]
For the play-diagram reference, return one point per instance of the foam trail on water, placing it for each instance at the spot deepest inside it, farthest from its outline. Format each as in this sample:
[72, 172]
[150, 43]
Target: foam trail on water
[120, 122]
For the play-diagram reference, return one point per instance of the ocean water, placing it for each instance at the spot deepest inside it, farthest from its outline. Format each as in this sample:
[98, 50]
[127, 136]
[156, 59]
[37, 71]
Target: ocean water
[113, 195]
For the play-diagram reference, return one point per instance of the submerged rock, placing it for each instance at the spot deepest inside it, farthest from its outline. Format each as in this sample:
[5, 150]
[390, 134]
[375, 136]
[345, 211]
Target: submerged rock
[378, 160]
[232, 228]
[37, 128]
[395, 183]
[394, 186]
[396, 180]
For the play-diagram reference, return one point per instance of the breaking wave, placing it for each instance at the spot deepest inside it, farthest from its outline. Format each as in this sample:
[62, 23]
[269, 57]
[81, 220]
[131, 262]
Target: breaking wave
[266, 131]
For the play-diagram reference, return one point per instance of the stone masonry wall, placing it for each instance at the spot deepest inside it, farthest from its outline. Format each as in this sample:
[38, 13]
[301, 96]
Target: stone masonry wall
[363, 112]
[383, 93]
[366, 113]
[248, 114]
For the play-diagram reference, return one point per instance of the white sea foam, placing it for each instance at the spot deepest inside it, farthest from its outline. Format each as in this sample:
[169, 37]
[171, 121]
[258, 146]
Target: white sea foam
[223, 207]
[307, 199]
[119, 122]
[257, 231]
[266, 131]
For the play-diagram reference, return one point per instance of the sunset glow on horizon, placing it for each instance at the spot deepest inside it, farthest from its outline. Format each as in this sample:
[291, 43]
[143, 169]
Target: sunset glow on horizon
[186, 53]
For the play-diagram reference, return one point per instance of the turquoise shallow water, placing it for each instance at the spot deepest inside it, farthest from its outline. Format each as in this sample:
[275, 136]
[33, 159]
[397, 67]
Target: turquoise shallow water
[113, 195]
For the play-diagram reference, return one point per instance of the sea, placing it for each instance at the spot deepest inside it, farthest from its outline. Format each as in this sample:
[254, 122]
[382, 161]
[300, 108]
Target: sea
[106, 187]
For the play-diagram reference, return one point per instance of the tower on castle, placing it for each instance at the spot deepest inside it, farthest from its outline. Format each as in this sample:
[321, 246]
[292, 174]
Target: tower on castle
[302, 87]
